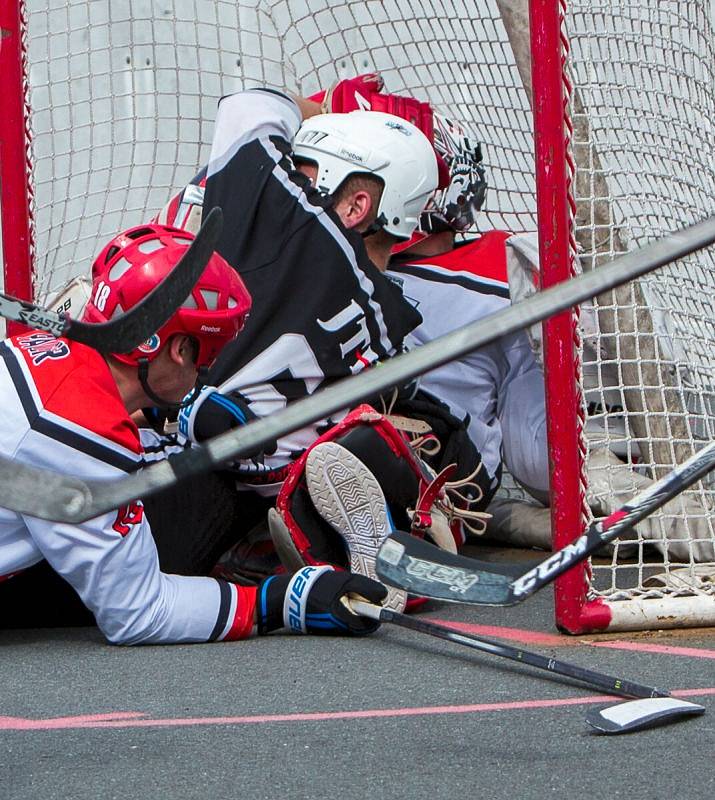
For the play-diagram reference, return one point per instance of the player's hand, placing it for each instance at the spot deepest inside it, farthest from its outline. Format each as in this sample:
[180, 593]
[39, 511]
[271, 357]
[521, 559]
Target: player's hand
[213, 413]
[311, 601]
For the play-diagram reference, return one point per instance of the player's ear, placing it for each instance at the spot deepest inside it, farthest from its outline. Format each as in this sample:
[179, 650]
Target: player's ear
[355, 209]
[182, 349]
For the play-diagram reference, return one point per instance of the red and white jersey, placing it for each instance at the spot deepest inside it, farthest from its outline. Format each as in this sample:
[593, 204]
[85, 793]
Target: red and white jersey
[500, 386]
[62, 411]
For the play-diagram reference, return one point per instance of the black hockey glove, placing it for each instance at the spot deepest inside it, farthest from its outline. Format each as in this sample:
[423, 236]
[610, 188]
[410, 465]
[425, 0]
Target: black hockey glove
[213, 413]
[310, 601]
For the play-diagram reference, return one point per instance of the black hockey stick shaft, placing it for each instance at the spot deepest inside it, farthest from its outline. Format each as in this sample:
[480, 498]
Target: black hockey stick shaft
[123, 334]
[75, 500]
[608, 683]
[419, 567]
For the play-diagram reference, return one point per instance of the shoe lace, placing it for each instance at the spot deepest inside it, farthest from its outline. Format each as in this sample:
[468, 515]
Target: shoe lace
[450, 499]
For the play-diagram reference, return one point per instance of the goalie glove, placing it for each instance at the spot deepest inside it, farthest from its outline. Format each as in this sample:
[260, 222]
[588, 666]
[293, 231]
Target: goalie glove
[350, 94]
[365, 93]
[214, 413]
[313, 601]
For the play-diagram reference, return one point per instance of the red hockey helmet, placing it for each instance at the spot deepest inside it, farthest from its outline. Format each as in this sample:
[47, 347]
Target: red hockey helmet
[135, 261]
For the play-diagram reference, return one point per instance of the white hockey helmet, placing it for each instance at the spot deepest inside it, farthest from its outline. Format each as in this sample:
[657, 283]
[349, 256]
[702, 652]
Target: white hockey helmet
[373, 143]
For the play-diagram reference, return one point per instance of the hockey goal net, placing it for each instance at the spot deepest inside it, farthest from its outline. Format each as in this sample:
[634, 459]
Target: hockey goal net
[108, 109]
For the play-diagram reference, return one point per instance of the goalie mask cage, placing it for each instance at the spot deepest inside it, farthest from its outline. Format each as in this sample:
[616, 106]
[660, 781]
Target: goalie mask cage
[108, 109]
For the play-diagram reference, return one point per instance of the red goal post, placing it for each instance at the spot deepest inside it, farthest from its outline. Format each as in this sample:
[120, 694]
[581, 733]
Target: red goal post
[109, 108]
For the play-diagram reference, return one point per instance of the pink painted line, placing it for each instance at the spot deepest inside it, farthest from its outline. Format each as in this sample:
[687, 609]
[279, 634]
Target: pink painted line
[139, 720]
[693, 692]
[514, 634]
[553, 640]
[644, 647]
[18, 723]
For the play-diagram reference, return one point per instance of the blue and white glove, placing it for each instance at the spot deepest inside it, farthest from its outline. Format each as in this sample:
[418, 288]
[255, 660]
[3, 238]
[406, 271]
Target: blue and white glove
[213, 413]
[311, 601]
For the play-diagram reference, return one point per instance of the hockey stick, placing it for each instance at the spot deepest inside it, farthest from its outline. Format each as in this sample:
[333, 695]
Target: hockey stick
[68, 499]
[123, 334]
[639, 714]
[598, 680]
[410, 563]
[660, 707]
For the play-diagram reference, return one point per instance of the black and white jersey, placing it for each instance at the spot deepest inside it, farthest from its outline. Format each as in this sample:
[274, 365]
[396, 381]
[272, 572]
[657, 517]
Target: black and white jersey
[321, 309]
[500, 386]
[62, 411]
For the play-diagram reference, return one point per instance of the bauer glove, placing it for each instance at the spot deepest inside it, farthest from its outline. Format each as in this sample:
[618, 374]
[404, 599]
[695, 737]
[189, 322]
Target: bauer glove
[312, 601]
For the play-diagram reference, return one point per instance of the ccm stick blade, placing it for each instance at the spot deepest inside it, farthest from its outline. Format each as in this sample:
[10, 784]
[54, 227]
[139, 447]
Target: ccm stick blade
[123, 334]
[81, 500]
[598, 680]
[639, 714]
[410, 563]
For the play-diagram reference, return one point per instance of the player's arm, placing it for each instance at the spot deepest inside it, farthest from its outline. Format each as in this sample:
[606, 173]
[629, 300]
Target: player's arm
[308, 108]
[113, 565]
[250, 176]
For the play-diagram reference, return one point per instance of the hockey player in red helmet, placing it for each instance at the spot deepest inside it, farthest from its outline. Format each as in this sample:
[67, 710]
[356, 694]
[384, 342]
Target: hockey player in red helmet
[211, 316]
[66, 407]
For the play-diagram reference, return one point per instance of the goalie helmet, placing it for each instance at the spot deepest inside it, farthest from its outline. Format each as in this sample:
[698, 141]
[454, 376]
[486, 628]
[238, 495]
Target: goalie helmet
[455, 207]
[135, 261]
[373, 143]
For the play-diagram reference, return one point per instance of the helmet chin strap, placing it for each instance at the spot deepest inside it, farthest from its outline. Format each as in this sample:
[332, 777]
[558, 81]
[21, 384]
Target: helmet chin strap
[377, 225]
[143, 374]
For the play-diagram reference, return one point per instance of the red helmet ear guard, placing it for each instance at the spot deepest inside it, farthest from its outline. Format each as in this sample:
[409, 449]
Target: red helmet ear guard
[138, 259]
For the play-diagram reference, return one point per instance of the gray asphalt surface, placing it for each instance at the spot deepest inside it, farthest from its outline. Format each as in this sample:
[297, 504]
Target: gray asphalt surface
[190, 721]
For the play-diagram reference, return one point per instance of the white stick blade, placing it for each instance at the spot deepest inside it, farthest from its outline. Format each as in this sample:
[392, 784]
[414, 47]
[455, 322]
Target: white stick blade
[638, 714]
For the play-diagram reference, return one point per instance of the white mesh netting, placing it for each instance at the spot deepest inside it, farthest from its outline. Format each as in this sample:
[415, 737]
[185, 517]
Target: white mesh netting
[124, 96]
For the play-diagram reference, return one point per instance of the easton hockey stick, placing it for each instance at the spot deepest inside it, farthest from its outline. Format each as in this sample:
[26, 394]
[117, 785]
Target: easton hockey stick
[123, 334]
[67, 499]
[656, 708]
[411, 563]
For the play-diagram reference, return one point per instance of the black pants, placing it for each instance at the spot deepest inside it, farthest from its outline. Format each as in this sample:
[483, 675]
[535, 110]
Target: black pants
[193, 524]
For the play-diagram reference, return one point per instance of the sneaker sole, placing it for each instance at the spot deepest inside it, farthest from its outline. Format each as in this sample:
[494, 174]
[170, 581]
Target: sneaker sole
[348, 496]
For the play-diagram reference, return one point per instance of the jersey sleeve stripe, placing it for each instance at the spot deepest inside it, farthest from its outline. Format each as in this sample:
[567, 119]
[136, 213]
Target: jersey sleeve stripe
[235, 614]
[42, 425]
[24, 392]
[228, 595]
[481, 285]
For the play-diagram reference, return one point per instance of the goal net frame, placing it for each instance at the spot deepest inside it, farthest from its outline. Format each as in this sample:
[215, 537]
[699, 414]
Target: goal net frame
[109, 109]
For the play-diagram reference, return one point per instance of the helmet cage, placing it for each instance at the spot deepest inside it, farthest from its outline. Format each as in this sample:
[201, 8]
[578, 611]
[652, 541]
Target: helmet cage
[455, 207]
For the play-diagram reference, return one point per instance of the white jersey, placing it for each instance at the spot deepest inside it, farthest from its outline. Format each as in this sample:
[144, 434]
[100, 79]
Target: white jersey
[500, 386]
[62, 412]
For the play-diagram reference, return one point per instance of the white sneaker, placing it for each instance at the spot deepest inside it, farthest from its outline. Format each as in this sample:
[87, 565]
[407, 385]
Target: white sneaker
[348, 496]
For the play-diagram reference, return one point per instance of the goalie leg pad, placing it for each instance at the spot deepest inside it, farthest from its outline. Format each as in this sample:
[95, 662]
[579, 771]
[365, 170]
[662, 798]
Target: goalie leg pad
[384, 452]
[368, 482]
